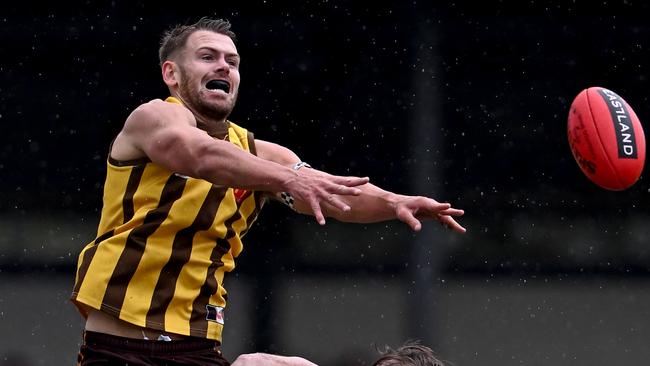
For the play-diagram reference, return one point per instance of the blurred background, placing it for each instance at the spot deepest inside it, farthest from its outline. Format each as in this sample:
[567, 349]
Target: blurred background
[466, 105]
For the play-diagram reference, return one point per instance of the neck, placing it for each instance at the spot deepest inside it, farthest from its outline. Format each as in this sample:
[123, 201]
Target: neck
[215, 127]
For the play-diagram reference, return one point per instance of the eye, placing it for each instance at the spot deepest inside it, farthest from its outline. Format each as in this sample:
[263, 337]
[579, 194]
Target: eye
[233, 63]
[207, 57]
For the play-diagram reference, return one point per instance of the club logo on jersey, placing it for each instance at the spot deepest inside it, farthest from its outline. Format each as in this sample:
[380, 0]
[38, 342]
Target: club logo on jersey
[240, 194]
[214, 314]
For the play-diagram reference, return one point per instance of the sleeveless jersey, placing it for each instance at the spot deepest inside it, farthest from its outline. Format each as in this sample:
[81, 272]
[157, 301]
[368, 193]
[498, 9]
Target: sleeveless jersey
[164, 243]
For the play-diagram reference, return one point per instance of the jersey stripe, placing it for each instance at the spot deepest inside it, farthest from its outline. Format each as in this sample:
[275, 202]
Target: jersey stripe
[181, 251]
[86, 257]
[127, 205]
[131, 187]
[250, 218]
[134, 246]
[198, 323]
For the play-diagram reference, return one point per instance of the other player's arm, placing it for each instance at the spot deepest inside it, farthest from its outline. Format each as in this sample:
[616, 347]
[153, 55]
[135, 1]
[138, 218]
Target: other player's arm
[265, 359]
[373, 204]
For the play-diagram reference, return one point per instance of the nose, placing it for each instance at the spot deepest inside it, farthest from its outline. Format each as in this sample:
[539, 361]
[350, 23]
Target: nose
[222, 65]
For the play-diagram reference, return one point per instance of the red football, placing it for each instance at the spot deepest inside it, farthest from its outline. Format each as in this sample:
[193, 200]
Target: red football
[606, 138]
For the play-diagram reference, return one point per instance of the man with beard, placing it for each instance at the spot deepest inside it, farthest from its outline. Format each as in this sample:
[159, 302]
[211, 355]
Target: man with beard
[183, 185]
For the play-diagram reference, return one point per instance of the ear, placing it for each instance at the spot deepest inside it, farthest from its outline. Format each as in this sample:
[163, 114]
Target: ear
[170, 73]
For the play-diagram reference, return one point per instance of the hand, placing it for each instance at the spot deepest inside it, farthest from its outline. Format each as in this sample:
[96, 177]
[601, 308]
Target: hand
[316, 188]
[265, 359]
[414, 209]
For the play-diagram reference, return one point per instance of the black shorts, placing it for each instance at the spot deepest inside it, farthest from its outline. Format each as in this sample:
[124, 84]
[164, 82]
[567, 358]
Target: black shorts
[106, 349]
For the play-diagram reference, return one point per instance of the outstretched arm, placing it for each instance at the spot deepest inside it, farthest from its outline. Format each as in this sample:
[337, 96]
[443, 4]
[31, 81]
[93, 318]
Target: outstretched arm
[375, 204]
[166, 133]
[372, 204]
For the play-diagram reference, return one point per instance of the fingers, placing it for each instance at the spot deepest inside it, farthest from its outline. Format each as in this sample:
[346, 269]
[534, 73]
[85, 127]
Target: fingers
[347, 185]
[332, 190]
[338, 203]
[354, 181]
[438, 206]
[450, 223]
[332, 200]
[346, 191]
[443, 212]
[318, 212]
[452, 212]
[407, 217]
[446, 218]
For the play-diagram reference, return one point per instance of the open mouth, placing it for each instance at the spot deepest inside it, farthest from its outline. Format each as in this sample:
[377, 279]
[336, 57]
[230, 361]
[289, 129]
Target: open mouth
[218, 85]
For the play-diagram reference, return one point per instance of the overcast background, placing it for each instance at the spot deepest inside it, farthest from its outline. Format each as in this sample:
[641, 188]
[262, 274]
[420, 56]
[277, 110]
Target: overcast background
[463, 105]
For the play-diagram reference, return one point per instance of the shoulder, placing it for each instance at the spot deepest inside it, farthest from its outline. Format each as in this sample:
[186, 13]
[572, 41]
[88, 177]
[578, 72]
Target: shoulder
[275, 152]
[159, 112]
[150, 121]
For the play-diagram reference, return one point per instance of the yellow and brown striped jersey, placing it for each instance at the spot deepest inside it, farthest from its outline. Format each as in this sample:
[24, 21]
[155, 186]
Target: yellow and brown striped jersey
[163, 246]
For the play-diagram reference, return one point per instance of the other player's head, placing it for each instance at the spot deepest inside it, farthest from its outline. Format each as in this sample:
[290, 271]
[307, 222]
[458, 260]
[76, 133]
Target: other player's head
[200, 65]
[410, 354]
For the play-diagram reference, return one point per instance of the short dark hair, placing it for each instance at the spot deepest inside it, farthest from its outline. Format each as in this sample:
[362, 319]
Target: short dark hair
[412, 353]
[176, 37]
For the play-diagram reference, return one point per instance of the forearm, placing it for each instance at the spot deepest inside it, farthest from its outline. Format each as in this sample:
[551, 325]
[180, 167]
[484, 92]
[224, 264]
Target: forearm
[195, 154]
[166, 133]
[224, 164]
[372, 205]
